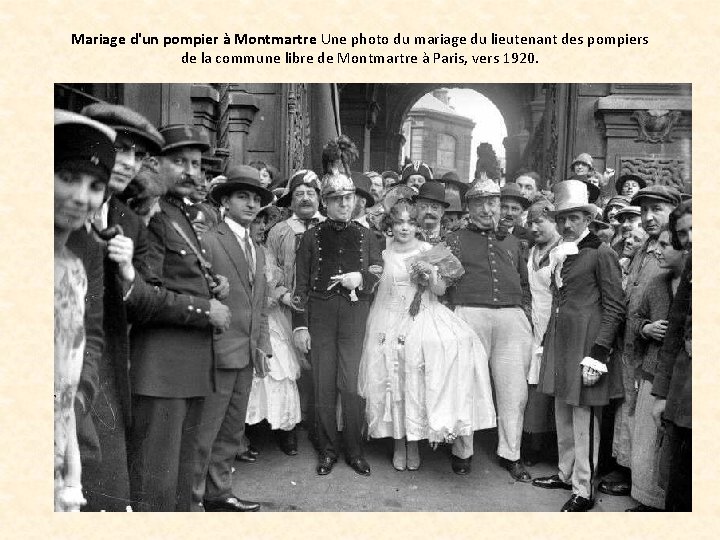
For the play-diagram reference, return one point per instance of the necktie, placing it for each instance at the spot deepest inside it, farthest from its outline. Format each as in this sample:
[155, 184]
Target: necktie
[250, 258]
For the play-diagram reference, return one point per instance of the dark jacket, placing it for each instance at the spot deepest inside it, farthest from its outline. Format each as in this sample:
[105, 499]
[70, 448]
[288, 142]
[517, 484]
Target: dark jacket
[495, 270]
[586, 314]
[673, 379]
[329, 249]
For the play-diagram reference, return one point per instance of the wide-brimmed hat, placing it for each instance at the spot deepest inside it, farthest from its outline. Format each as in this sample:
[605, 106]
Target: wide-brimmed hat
[482, 188]
[303, 177]
[625, 177]
[363, 185]
[572, 195]
[432, 191]
[182, 135]
[455, 191]
[512, 191]
[658, 192]
[241, 177]
[84, 143]
[416, 167]
[583, 158]
[124, 120]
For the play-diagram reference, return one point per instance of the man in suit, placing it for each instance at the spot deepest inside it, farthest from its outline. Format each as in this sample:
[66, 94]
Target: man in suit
[431, 205]
[243, 347]
[171, 363]
[513, 204]
[587, 311]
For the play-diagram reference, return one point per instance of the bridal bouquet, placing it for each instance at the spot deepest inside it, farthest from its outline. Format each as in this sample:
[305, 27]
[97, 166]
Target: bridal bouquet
[437, 259]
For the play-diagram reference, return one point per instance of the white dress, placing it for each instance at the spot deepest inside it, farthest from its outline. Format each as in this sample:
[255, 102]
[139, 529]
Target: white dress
[539, 280]
[422, 378]
[275, 397]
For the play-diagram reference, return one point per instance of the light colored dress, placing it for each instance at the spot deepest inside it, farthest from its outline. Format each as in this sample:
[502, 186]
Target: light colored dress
[539, 277]
[422, 378]
[70, 290]
[275, 397]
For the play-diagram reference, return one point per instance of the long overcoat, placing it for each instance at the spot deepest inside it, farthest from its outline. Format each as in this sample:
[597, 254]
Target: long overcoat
[586, 313]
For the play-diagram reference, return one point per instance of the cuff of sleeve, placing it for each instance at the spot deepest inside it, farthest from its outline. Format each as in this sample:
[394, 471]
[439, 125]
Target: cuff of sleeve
[600, 353]
[641, 331]
[299, 328]
[594, 364]
[128, 290]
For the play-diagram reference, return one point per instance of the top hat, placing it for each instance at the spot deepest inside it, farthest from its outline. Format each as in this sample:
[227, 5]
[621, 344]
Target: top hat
[303, 177]
[483, 188]
[572, 195]
[512, 191]
[182, 135]
[432, 191]
[363, 184]
[124, 120]
[624, 178]
[241, 177]
[84, 142]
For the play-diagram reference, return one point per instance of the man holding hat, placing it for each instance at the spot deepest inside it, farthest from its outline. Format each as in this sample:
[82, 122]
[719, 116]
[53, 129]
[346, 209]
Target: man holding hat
[334, 285]
[431, 205]
[493, 296]
[655, 202]
[240, 349]
[586, 314]
[171, 364]
[303, 198]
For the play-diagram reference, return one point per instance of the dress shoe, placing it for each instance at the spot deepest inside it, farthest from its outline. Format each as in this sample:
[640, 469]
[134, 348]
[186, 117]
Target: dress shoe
[576, 503]
[252, 450]
[325, 465]
[359, 465]
[551, 482]
[413, 456]
[231, 504]
[643, 508]
[459, 465]
[247, 457]
[517, 470]
[619, 487]
[287, 441]
[399, 459]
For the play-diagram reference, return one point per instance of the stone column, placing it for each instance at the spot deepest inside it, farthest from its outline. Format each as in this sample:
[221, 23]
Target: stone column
[322, 122]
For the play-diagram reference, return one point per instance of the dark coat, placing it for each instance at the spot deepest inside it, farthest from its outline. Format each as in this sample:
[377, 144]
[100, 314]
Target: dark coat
[586, 314]
[168, 359]
[237, 346]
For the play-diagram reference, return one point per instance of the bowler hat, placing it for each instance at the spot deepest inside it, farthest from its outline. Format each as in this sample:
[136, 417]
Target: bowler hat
[512, 191]
[124, 120]
[658, 192]
[182, 135]
[241, 177]
[432, 191]
[625, 177]
[303, 177]
[572, 195]
[85, 143]
[483, 188]
[363, 184]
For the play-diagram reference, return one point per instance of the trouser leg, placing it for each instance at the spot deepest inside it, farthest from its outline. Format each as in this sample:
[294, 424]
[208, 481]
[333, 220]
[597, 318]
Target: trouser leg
[586, 429]
[565, 440]
[188, 453]
[679, 489]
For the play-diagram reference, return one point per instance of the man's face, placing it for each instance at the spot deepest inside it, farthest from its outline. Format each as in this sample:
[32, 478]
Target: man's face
[484, 211]
[129, 154]
[633, 241]
[377, 190]
[305, 202]
[654, 215]
[543, 230]
[527, 187]
[201, 189]
[668, 257]
[415, 181]
[389, 182]
[359, 210]
[242, 206]
[683, 228]
[430, 214]
[614, 209]
[572, 224]
[179, 168]
[511, 208]
[78, 195]
[340, 207]
[629, 223]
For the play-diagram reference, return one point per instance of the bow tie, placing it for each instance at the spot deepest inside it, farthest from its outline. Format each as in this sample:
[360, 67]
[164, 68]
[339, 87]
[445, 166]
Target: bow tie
[311, 222]
[338, 225]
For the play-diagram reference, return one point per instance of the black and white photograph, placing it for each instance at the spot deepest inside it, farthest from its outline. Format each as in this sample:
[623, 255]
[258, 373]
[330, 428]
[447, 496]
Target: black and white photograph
[372, 297]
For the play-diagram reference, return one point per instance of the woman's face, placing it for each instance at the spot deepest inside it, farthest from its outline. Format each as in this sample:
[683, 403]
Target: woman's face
[543, 230]
[581, 169]
[630, 188]
[265, 179]
[257, 230]
[633, 242]
[404, 228]
[78, 195]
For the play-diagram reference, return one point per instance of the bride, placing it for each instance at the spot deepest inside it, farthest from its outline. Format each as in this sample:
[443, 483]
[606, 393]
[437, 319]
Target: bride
[423, 377]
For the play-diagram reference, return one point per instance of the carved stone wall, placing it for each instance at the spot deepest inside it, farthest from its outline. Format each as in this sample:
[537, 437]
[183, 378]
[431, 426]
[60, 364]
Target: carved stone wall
[298, 126]
[663, 171]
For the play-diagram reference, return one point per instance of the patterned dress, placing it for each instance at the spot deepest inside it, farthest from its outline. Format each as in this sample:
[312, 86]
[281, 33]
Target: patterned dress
[70, 290]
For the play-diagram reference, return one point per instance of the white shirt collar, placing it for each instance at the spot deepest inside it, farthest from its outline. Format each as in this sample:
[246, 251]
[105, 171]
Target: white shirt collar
[236, 228]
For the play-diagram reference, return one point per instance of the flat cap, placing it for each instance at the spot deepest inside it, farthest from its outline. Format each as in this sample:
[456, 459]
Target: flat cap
[124, 120]
[658, 192]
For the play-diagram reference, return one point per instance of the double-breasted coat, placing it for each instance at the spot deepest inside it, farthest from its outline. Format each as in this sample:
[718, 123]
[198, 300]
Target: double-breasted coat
[587, 311]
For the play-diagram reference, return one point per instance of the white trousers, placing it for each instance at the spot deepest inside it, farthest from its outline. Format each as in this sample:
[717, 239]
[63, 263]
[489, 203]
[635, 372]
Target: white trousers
[573, 434]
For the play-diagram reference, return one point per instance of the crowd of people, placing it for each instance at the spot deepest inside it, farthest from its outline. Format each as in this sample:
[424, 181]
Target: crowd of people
[356, 305]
